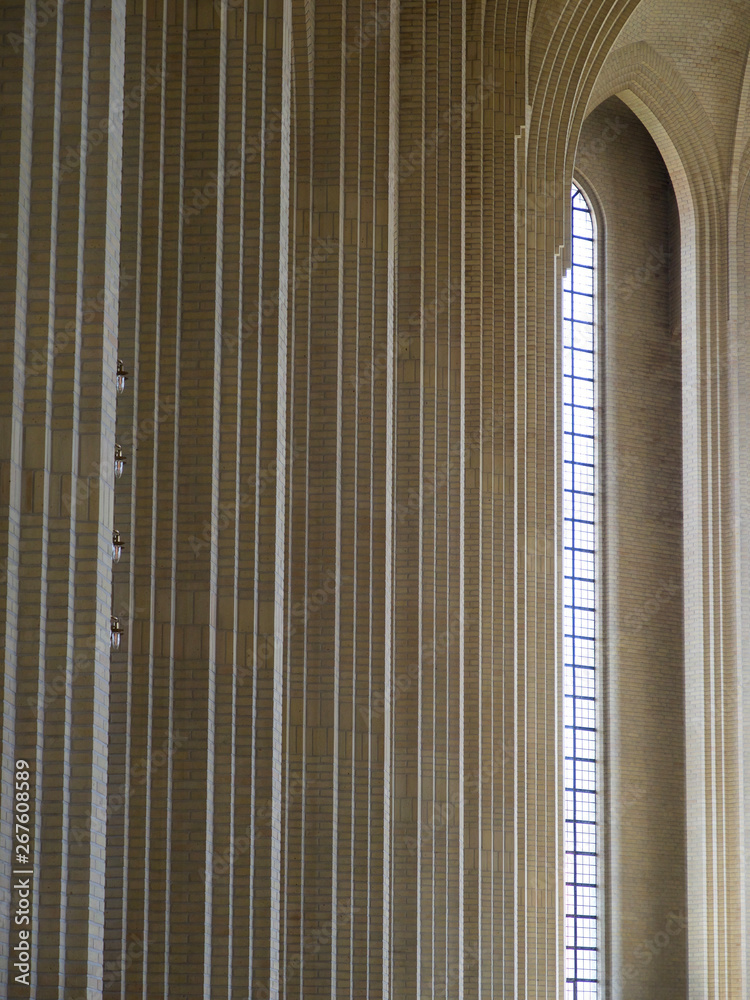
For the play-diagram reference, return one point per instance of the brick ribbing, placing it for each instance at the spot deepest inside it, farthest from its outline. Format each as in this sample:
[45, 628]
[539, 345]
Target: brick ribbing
[641, 506]
[68, 177]
[327, 747]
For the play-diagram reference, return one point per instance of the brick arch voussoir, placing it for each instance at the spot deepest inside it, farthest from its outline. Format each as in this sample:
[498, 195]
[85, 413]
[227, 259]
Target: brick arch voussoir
[568, 44]
[652, 86]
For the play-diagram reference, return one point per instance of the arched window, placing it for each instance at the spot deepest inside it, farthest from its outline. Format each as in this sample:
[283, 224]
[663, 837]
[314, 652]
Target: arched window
[579, 615]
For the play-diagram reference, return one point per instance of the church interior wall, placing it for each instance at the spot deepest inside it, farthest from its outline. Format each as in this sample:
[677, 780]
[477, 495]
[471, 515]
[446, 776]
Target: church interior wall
[327, 241]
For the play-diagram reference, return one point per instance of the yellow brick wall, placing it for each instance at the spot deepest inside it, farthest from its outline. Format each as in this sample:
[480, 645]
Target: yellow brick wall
[327, 240]
[641, 655]
[62, 75]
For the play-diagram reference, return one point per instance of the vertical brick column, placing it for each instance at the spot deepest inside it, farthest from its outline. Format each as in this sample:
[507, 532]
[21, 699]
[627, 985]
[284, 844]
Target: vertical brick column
[641, 657]
[229, 926]
[197, 486]
[568, 45]
[146, 741]
[60, 477]
[712, 672]
[128, 718]
[205, 312]
[331, 742]
[739, 306]
[17, 62]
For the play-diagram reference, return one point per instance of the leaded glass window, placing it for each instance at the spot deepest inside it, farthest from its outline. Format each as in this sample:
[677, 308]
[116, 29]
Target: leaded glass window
[580, 612]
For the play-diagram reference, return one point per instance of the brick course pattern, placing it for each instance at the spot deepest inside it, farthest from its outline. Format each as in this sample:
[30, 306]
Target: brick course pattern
[327, 239]
[643, 690]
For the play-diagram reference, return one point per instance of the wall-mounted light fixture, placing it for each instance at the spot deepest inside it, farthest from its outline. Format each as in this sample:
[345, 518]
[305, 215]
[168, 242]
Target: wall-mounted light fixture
[115, 633]
[116, 546]
[121, 377]
[119, 461]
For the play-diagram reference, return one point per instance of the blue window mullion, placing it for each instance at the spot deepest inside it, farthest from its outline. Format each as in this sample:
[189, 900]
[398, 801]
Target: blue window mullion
[579, 601]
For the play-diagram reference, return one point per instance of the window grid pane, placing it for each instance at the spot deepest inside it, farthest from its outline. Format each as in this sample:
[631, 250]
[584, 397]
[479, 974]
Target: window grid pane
[579, 613]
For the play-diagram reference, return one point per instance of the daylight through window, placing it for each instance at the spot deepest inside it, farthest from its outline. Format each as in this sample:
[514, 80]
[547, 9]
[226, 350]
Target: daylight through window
[579, 617]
